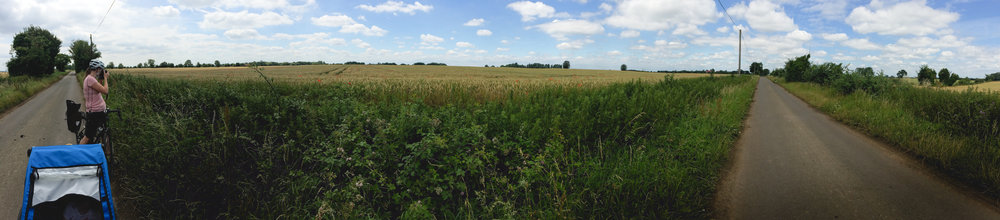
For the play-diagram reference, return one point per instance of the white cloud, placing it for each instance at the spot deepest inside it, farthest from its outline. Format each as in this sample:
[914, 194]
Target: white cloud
[829, 9]
[397, 6]
[166, 11]
[652, 15]
[243, 34]
[242, 19]
[577, 44]
[474, 22]
[484, 32]
[531, 10]
[629, 34]
[464, 44]
[335, 20]
[362, 29]
[282, 5]
[835, 37]
[764, 15]
[605, 7]
[722, 29]
[504, 42]
[870, 58]
[614, 53]
[501, 49]
[360, 43]
[861, 44]
[348, 25]
[559, 29]
[907, 18]
[427, 39]
[799, 35]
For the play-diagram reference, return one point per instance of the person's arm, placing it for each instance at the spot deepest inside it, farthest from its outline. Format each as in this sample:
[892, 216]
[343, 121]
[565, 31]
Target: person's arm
[103, 89]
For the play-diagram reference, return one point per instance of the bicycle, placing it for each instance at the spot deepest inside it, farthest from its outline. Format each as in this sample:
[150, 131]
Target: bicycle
[75, 121]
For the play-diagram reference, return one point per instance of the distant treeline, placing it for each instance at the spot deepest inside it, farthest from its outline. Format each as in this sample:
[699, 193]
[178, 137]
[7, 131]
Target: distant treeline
[534, 65]
[703, 71]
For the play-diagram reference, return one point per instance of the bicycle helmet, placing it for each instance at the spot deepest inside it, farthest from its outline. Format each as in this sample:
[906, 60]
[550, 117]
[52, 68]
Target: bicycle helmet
[95, 64]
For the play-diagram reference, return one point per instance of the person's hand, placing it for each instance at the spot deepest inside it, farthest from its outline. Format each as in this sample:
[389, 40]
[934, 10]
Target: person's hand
[106, 74]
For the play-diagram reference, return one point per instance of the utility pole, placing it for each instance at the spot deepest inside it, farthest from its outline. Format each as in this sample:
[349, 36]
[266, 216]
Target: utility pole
[739, 64]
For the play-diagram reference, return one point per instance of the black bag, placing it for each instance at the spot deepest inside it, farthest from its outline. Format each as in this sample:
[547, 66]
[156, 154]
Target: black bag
[73, 116]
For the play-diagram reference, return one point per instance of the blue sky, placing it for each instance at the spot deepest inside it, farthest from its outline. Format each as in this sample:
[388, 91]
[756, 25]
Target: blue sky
[644, 34]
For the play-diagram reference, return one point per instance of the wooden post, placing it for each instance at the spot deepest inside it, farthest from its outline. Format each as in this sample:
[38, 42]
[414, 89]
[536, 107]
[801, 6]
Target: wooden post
[739, 64]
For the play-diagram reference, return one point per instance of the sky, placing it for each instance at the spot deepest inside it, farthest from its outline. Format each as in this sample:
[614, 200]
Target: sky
[888, 35]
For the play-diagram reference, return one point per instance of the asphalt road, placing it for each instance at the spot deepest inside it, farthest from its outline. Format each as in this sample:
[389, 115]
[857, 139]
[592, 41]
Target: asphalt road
[793, 162]
[40, 121]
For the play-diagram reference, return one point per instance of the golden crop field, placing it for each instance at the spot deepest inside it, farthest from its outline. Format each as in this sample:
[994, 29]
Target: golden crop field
[362, 74]
[483, 83]
[984, 87]
[4, 74]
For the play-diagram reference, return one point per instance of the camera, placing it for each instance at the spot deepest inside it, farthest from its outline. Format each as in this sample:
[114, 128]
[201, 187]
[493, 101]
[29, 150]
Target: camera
[100, 75]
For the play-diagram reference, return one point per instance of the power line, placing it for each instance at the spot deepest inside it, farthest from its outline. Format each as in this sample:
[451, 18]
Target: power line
[724, 10]
[105, 16]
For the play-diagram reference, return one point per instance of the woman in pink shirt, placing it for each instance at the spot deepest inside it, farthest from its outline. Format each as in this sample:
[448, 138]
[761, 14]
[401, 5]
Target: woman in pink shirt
[92, 90]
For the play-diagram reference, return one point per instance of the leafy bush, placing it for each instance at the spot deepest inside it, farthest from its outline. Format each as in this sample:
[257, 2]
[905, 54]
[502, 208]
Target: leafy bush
[247, 150]
[796, 69]
[926, 74]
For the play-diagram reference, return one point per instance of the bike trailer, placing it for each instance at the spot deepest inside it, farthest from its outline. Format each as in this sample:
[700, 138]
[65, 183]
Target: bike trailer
[67, 182]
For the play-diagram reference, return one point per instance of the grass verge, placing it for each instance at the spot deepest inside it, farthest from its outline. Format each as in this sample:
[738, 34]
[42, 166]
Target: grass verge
[195, 149]
[14, 90]
[955, 132]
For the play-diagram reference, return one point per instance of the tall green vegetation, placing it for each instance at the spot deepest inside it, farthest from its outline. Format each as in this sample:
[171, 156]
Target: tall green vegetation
[34, 51]
[926, 75]
[247, 150]
[83, 52]
[796, 69]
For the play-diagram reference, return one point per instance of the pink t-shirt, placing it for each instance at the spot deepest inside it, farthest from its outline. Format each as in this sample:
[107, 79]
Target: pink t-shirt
[94, 100]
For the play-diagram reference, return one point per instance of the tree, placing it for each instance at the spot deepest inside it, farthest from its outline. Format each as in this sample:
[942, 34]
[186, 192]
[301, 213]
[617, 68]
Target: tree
[34, 51]
[993, 76]
[624, 67]
[217, 64]
[187, 63]
[566, 64]
[120, 66]
[62, 61]
[952, 79]
[866, 71]
[926, 74]
[83, 52]
[111, 65]
[150, 63]
[944, 75]
[757, 68]
[795, 69]
[901, 73]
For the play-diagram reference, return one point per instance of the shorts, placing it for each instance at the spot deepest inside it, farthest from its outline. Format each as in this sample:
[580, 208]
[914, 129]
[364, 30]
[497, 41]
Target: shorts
[94, 120]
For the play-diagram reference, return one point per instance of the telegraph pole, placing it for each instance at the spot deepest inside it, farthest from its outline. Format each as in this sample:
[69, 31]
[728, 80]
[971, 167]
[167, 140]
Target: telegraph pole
[739, 64]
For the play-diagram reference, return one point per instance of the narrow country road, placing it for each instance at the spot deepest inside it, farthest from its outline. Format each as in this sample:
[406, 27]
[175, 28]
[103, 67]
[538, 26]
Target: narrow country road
[793, 162]
[40, 121]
